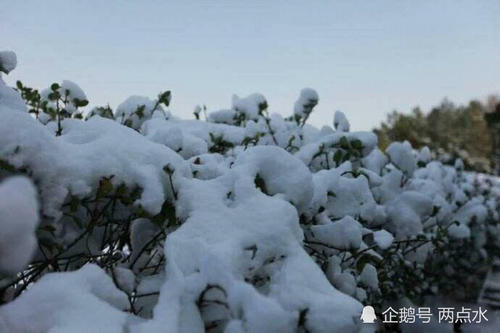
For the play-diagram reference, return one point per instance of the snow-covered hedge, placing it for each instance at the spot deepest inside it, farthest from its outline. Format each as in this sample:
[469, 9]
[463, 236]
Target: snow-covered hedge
[243, 222]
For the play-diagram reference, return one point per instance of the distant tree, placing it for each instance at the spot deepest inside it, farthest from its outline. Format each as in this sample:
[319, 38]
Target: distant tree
[400, 127]
[450, 131]
[492, 117]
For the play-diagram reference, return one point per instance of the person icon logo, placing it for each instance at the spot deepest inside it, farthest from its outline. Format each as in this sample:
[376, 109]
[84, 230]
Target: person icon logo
[368, 315]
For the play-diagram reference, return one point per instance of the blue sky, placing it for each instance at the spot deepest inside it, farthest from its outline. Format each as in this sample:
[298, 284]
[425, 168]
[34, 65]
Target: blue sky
[365, 58]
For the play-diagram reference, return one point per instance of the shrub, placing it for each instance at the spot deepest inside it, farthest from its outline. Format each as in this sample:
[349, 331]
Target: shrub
[243, 222]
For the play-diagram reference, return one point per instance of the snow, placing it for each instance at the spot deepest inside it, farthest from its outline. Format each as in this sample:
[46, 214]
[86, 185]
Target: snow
[459, 231]
[209, 248]
[406, 213]
[459, 164]
[73, 93]
[18, 220]
[193, 133]
[351, 197]
[250, 106]
[308, 98]
[82, 301]
[10, 97]
[401, 156]
[343, 234]
[369, 276]
[72, 90]
[308, 152]
[223, 116]
[340, 122]
[141, 231]
[383, 239]
[345, 282]
[471, 210]
[175, 136]
[375, 161]
[125, 279]
[281, 172]
[424, 156]
[8, 61]
[277, 223]
[135, 110]
[86, 152]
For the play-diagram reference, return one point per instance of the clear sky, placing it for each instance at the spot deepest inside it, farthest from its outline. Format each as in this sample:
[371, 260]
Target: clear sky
[365, 58]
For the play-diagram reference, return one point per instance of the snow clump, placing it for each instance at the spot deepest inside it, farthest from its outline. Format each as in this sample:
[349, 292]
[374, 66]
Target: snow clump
[243, 222]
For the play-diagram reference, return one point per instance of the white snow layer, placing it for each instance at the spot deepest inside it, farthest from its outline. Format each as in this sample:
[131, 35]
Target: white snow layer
[135, 110]
[211, 247]
[340, 122]
[250, 105]
[72, 90]
[383, 239]
[8, 61]
[18, 220]
[241, 239]
[81, 301]
[87, 151]
[308, 98]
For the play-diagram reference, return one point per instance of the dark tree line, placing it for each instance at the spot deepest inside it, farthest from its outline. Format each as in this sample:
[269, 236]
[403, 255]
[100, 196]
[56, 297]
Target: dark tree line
[470, 132]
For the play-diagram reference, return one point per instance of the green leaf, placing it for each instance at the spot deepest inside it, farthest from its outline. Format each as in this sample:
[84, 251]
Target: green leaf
[337, 157]
[346, 157]
[260, 184]
[364, 259]
[140, 111]
[73, 204]
[357, 144]
[121, 190]
[262, 106]
[53, 96]
[165, 97]
[49, 228]
[80, 102]
[4, 165]
[344, 144]
[167, 213]
[105, 187]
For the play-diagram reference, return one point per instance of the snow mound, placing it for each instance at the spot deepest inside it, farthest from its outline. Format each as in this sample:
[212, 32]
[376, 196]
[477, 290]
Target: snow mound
[8, 61]
[81, 301]
[308, 98]
[87, 151]
[250, 106]
[18, 220]
[245, 222]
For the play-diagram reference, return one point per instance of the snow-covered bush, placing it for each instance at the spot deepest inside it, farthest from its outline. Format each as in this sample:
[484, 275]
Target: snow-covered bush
[18, 221]
[243, 222]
